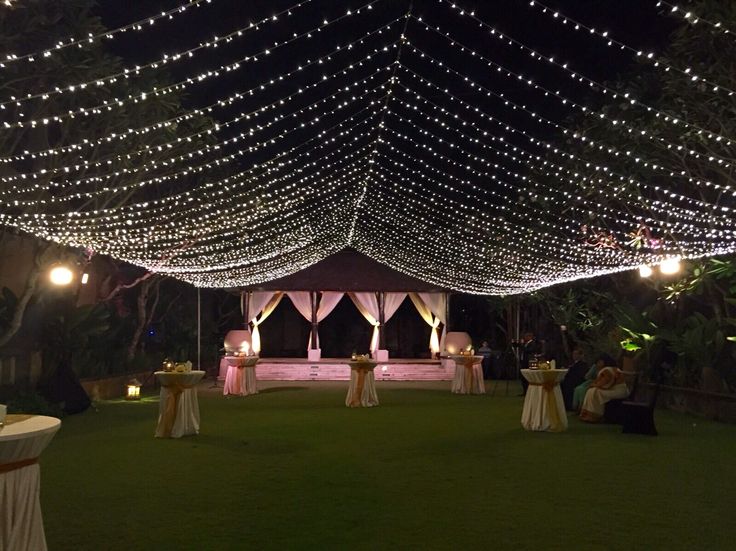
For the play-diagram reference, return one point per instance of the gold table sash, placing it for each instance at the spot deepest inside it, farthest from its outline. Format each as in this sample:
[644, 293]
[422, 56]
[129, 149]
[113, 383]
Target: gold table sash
[549, 384]
[362, 372]
[15, 465]
[172, 404]
[16, 418]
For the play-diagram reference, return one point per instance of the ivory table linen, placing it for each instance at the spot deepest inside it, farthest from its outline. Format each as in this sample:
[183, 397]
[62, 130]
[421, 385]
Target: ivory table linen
[178, 408]
[362, 389]
[22, 439]
[544, 408]
[468, 375]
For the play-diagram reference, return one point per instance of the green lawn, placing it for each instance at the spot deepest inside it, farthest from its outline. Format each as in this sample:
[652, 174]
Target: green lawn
[292, 468]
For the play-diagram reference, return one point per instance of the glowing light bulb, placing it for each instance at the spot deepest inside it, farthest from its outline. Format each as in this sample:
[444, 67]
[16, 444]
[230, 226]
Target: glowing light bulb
[61, 275]
[670, 266]
[645, 271]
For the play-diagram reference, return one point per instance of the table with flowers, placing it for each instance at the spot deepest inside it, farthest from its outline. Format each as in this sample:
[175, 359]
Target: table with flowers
[178, 408]
[468, 374]
[544, 408]
[22, 439]
[240, 379]
[362, 389]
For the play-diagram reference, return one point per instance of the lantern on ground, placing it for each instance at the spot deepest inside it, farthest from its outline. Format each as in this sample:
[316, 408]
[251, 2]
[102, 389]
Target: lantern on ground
[133, 390]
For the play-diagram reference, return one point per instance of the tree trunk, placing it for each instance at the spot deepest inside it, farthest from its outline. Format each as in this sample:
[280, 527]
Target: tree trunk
[144, 315]
[16, 321]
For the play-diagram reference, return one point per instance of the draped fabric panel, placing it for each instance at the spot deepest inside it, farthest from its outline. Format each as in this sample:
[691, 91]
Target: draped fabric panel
[303, 304]
[327, 304]
[391, 303]
[258, 301]
[432, 321]
[367, 304]
[437, 303]
[267, 307]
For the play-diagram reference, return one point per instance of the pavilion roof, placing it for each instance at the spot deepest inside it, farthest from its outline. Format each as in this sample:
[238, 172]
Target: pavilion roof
[347, 270]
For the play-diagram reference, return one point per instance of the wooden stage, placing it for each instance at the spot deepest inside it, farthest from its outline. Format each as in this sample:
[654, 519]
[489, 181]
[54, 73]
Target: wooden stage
[338, 369]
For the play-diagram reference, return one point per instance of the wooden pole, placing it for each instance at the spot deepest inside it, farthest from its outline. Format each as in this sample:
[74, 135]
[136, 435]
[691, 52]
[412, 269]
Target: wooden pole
[381, 321]
[315, 323]
[199, 330]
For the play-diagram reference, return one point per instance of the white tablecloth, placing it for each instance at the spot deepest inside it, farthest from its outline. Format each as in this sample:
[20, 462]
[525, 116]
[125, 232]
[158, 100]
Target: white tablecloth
[367, 397]
[178, 408]
[544, 408]
[240, 381]
[21, 522]
[468, 380]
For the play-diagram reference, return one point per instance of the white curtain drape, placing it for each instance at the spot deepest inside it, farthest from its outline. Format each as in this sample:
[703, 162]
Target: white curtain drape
[367, 304]
[263, 303]
[327, 304]
[391, 303]
[433, 321]
[303, 304]
[437, 303]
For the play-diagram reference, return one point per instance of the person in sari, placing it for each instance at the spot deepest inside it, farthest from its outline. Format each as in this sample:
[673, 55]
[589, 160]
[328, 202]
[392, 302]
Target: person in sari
[579, 393]
[608, 385]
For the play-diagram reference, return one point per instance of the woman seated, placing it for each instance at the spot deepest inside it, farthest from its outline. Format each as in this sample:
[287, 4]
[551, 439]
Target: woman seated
[579, 393]
[608, 385]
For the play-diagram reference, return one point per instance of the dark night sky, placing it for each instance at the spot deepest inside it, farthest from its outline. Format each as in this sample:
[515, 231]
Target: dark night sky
[635, 22]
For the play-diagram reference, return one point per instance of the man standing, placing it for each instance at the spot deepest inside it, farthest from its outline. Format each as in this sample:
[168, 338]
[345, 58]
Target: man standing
[530, 347]
[486, 352]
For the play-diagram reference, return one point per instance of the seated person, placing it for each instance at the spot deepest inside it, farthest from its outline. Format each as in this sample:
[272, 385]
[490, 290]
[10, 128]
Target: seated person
[575, 377]
[608, 385]
[580, 390]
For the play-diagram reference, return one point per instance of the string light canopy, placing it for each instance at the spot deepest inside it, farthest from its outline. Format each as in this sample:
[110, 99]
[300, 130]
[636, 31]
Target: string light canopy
[434, 142]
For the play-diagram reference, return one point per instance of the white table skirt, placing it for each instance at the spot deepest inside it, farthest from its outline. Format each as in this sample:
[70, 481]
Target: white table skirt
[21, 521]
[544, 410]
[240, 381]
[368, 398]
[185, 407]
[460, 385]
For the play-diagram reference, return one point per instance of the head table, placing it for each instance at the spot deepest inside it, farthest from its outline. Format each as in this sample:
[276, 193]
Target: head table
[468, 375]
[22, 439]
[178, 408]
[362, 389]
[544, 408]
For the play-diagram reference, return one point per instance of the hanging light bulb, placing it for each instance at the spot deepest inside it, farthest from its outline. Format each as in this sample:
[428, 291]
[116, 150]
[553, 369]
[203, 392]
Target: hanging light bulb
[670, 266]
[61, 275]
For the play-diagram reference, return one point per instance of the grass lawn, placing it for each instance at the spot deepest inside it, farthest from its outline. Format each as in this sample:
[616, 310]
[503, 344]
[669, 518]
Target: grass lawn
[292, 468]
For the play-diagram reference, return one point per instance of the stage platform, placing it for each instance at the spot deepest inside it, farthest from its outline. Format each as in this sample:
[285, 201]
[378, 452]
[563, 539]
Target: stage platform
[338, 369]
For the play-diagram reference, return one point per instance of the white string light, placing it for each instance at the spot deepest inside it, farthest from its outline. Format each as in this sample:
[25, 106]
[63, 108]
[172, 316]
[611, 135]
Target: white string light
[650, 57]
[117, 102]
[90, 39]
[427, 183]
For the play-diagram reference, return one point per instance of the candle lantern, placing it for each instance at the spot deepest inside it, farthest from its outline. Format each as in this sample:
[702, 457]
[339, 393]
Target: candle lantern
[133, 390]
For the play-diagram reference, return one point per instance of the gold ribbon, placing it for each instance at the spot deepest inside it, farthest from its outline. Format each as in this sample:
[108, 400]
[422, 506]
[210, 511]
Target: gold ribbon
[468, 363]
[16, 418]
[362, 372]
[549, 384]
[172, 404]
[15, 465]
